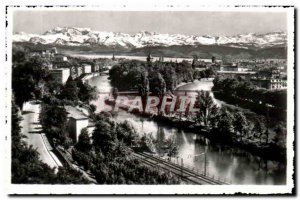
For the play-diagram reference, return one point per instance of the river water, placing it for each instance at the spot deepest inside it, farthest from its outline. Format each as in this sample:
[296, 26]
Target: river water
[233, 164]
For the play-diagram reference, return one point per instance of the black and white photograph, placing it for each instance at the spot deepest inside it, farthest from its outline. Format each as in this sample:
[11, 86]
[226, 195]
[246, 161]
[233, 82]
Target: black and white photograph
[161, 100]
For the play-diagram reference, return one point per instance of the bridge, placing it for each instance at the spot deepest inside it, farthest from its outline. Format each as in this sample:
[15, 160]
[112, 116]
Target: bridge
[190, 176]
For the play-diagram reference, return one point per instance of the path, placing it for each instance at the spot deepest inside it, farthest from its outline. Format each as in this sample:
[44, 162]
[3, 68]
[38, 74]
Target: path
[32, 129]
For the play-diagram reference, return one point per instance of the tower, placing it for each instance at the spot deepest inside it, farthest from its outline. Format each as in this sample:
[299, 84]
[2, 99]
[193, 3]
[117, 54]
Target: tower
[113, 57]
[149, 58]
[213, 59]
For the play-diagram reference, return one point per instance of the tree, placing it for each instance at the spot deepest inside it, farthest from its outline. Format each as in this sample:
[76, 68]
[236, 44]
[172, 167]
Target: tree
[104, 138]
[54, 121]
[157, 84]
[101, 173]
[15, 127]
[206, 105]
[23, 86]
[27, 80]
[84, 143]
[259, 128]
[209, 72]
[280, 137]
[70, 91]
[170, 77]
[222, 125]
[125, 132]
[86, 93]
[67, 142]
[240, 124]
[19, 54]
[68, 175]
[93, 109]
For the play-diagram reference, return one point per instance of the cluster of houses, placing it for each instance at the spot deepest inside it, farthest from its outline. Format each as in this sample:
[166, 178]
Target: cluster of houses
[267, 73]
[61, 67]
[272, 79]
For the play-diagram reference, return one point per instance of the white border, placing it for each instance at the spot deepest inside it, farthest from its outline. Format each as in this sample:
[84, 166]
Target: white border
[157, 189]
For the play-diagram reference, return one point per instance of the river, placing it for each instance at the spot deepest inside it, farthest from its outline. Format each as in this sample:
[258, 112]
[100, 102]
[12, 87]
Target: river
[233, 164]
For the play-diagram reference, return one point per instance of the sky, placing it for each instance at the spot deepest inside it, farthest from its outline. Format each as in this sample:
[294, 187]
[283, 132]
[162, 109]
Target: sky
[176, 22]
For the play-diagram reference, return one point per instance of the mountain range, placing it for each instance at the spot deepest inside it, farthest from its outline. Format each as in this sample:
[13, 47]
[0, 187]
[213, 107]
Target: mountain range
[85, 36]
[252, 45]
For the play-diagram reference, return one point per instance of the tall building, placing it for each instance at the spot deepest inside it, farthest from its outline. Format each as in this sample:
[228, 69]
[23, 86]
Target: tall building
[113, 57]
[161, 59]
[60, 75]
[149, 58]
[213, 59]
[86, 68]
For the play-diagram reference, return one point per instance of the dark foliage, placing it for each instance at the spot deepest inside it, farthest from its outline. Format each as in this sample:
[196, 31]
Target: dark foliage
[110, 159]
[27, 168]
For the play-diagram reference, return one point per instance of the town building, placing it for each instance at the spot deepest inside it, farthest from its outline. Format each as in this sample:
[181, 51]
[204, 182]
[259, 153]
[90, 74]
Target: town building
[77, 121]
[86, 68]
[65, 64]
[237, 74]
[95, 67]
[61, 75]
[60, 57]
[61, 64]
[235, 67]
[270, 84]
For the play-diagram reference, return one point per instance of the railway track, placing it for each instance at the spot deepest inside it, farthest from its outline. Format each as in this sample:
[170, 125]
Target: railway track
[154, 164]
[183, 172]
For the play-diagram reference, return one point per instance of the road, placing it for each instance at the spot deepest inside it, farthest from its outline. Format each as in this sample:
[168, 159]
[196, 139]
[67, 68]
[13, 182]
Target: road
[32, 129]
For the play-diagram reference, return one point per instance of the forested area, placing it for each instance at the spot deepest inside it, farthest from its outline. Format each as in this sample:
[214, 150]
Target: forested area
[154, 77]
[241, 127]
[107, 155]
[242, 93]
[244, 90]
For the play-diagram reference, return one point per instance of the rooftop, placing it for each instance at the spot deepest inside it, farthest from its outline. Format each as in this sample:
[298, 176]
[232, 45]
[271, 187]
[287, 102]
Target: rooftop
[59, 69]
[73, 112]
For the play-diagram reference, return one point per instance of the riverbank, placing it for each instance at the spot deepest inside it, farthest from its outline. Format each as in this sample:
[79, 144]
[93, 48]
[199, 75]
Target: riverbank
[222, 158]
[267, 151]
[277, 114]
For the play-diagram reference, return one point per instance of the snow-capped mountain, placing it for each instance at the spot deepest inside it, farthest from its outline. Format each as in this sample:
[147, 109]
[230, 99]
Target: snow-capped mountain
[85, 36]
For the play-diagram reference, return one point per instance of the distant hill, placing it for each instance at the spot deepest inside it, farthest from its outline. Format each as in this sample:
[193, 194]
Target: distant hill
[183, 51]
[207, 51]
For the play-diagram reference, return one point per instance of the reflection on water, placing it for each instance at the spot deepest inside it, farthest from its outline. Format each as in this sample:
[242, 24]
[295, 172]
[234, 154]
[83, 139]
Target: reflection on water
[234, 164]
